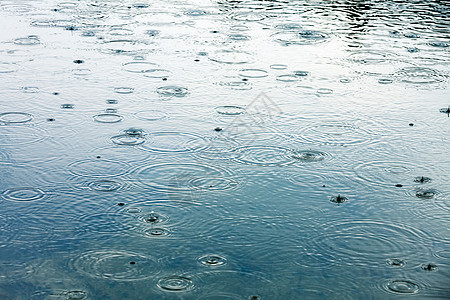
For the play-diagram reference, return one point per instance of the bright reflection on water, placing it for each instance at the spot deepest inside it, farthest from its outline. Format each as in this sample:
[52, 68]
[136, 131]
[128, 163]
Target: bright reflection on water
[215, 149]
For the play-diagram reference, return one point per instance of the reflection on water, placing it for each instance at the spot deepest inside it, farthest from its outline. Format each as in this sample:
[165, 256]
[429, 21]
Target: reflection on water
[217, 149]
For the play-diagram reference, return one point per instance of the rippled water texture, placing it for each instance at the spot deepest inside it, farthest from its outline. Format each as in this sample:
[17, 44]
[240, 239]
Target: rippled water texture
[218, 149]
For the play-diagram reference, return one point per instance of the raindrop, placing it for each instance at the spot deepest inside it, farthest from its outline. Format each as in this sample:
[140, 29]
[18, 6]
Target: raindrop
[445, 110]
[309, 155]
[158, 232]
[426, 193]
[67, 106]
[385, 81]
[78, 61]
[396, 262]
[338, 199]
[301, 73]
[429, 267]
[422, 179]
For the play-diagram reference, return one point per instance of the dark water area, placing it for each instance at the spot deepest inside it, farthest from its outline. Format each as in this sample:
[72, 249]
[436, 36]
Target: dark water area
[224, 149]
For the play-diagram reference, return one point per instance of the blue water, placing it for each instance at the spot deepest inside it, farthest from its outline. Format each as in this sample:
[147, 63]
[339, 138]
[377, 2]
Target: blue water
[224, 149]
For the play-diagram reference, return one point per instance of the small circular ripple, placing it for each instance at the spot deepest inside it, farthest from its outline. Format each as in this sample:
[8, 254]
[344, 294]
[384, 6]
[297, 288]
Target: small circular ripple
[230, 110]
[249, 17]
[60, 294]
[335, 134]
[364, 242]
[265, 155]
[124, 90]
[105, 185]
[98, 168]
[115, 265]
[108, 118]
[253, 73]
[402, 286]
[157, 232]
[231, 57]
[174, 142]
[309, 155]
[212, 260]
[23, 194]
[172, 90]
[127, 139]
[150, 115]
[278, 67]
[176, 284]
[138, 66]
[15, 117]
[396, 262]
[426, 193]
[184, 177]
[419, 75]
[312, 36]
[287, 78]
[28, 41]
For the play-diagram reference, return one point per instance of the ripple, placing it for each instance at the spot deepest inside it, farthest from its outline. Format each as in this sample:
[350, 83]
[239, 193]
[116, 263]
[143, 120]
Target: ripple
[176, 283]
[336, 134]
[105, 185]
[127, 139]
[231, 57]
[265, 155]
[388, 173]
[312, 36]
[438, 44]
[157, 73]
[363, 242]
[385, 81]
[184, 176]
[23, 194]
[98, 168]
[108, 118]
[157, 232]
[195, 12]
[138, 66]
[426, 193]
[253, 73]
[15, 117]
[402, 286]
[230, 110]
[21, 135]
[239, 37]
[278, 67]
[174, 142]
[124, 90]
[6, 67]
[61, 294]
[115, 265]
[419, 75]
[396, 262]
[151, 115]
[212, 260]
[28, 41]
[287, 78]
[249, 17]
[172, 90]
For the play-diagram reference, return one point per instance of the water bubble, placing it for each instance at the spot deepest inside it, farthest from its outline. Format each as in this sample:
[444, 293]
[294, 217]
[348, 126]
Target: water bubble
[108, 118]
[23, 194]
[112, 101]
[153, 218]
[230, 110]
[172, 90]
[111, 110]
[396, 262]
[212, 260]
[422, 179]
[105, 185]
[30, 89]
[176, 284]
[429, 267]
[309, 155]
[426, 193]
[28, 41]
[78, 61]
[124, 90]
[67, 106]
[338, 199]
[403, 286]
[127, 139]
[15, 117]
[253, 73]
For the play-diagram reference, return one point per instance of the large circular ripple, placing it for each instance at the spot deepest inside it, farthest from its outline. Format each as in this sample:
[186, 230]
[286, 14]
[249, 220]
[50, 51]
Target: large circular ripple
[115, 265]
[185, 177]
